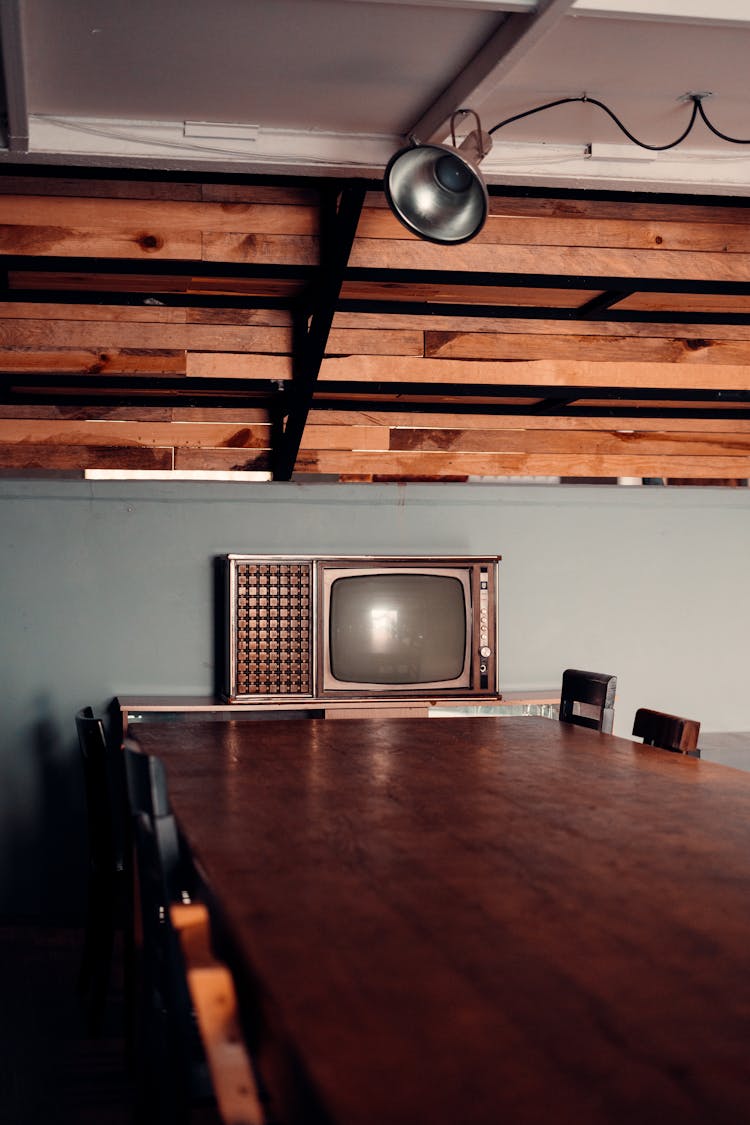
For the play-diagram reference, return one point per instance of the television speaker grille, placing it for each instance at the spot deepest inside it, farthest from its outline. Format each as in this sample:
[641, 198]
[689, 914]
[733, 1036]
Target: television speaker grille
[273, 634]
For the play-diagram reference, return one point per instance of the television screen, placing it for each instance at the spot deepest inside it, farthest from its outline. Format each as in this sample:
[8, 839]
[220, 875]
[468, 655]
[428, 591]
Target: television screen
[397, 628]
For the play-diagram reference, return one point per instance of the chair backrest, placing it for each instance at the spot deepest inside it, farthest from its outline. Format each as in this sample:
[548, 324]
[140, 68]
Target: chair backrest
[213, 994]
[105, 850]
[668, 732]
[149, 802]
[169, 1029]
[165, 876]
[146, 780]
[192, 991]
[587, 699]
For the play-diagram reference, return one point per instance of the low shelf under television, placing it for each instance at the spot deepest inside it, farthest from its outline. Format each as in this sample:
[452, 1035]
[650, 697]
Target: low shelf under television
[134, 709]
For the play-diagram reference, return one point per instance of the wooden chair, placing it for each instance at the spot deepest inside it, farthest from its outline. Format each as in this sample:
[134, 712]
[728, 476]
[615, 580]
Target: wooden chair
[214, 1001]
[105, 908]
[668, 732]
[587, 699]
[194, 1052]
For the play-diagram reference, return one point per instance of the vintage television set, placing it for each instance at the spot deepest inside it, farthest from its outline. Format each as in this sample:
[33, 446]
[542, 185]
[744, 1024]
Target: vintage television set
[358, 627]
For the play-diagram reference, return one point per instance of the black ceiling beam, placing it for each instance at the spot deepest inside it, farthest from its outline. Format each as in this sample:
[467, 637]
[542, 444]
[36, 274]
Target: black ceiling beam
[503, 279]
[568, 410]
[178, 388]
[155, 298]
[553, 405]
[160, 267]
[351, 388]
[27, 389]
[534, 312]
[602, 303]
[248, 302]
[339, 219]
[115, 391]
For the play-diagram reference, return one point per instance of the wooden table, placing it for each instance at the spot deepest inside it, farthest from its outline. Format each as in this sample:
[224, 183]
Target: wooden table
[478, 920]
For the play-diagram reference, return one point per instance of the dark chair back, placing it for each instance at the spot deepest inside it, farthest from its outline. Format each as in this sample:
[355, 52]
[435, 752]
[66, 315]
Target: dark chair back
[149, 798]
[99, 797]
[668, 732]
[174, 1069]
[146, 781]
[587, 699]
[108, 907]
[191, 1057]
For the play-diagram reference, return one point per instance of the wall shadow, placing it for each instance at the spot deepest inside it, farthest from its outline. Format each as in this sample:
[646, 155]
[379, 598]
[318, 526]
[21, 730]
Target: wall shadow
[46, 844]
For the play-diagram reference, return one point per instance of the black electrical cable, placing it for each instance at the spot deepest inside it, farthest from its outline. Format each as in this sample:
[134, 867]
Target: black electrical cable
[714, 130]
[697, 109]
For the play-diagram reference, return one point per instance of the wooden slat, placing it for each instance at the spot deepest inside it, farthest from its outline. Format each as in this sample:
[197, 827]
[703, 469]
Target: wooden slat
[145, 314]
[467, 294]
[353, 341]
[87, 413]
[250, 287]
[107, 282]
[426, 420]
[133, 314]
[30, 280]
[413, 401]
[109, 334]
[97, 189]
[153, 190]
[633, 233]
[567, 261]
[634, 403]
[74, 361]
[541, 327]
[580, 442]
[226, 460]
[514, 345]
[718, 237]
[260, 193]
[524, 464]
[136, 433]
[319, 436]
[684, 302]
[287, 250]
[29, 456]
[603, 209]
[568, 373]
[125, 243]
[270, 318]
[232, 365]
[237, 416]
[118, 215]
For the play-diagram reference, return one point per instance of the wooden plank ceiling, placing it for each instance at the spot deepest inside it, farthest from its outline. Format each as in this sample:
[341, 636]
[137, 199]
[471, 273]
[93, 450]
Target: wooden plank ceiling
[180, 326]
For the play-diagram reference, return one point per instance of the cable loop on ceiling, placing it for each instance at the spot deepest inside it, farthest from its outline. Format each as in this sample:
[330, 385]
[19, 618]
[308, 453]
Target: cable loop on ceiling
[696, 99]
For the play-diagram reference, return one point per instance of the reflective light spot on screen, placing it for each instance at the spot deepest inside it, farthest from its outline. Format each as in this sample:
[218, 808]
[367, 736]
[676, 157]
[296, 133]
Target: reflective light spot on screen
[383, 627]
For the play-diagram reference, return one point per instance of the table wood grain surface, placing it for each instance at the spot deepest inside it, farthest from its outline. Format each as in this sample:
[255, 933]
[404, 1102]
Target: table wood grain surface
[480, 920]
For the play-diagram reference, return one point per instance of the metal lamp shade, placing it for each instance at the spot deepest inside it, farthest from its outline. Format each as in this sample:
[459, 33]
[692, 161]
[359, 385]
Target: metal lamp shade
[436, 193]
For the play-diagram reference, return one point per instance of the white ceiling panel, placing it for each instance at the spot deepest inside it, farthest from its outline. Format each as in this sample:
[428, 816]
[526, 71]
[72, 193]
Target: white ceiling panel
[334, 85]
[300, 64]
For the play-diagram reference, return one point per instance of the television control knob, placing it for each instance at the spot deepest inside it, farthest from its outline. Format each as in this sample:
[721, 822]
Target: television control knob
[485, 651]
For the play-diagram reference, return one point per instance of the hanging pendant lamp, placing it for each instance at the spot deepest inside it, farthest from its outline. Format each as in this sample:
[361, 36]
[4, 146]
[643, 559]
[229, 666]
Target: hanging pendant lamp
[437, 191]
